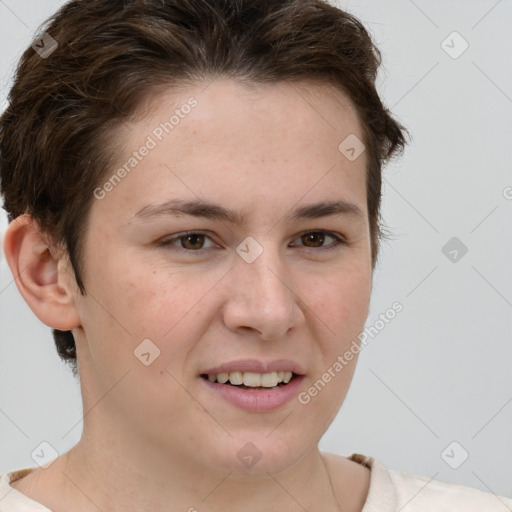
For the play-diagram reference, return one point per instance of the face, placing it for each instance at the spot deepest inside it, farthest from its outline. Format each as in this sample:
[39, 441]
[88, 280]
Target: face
[173, 296]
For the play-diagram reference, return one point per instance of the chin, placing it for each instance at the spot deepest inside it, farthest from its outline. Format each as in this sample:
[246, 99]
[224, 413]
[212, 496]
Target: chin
[246, 456]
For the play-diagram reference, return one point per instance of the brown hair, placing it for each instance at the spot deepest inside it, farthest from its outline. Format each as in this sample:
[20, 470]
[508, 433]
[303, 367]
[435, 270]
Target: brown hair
[59, 128]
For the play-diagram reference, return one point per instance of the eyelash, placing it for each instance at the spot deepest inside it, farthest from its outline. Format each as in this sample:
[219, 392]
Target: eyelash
[339, 241]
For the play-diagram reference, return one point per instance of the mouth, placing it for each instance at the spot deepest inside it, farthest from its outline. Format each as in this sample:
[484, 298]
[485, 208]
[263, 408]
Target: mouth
[252, 381]
[254, 386]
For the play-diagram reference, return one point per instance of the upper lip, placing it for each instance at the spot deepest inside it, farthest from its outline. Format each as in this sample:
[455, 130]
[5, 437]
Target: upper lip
[257, 366]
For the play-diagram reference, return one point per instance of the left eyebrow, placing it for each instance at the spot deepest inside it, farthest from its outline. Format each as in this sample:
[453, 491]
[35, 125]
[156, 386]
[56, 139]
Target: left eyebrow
[208, 210]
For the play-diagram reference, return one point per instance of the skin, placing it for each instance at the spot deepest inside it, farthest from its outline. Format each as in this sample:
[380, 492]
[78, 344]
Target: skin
[155, 437]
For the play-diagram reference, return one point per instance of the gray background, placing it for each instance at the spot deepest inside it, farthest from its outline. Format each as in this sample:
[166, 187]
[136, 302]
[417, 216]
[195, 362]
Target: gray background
[441, 370]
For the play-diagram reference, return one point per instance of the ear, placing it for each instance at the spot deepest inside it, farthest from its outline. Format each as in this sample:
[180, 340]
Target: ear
[41, 274]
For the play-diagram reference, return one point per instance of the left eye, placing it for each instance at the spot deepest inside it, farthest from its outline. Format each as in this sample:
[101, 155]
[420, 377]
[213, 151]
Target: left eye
[193, 241]
[318, 237]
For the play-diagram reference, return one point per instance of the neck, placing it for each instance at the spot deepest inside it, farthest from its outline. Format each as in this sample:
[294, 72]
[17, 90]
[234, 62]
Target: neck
[80, 481]
[129, 481]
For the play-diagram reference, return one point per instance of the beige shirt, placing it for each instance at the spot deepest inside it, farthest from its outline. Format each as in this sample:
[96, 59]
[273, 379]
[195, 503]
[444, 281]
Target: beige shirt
[390, 491]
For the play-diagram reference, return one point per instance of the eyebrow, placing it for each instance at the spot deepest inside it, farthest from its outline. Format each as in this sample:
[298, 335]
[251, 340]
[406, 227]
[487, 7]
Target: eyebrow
[208, 210]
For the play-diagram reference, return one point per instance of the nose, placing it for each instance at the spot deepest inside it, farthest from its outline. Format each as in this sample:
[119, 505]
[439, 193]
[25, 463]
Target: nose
[262, 298]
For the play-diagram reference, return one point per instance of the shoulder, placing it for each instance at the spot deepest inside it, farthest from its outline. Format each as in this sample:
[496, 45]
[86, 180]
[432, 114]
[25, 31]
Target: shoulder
[426, 492]
[409, 492]
[11, 498]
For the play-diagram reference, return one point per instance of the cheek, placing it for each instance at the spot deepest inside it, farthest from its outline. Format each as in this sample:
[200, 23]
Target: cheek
[169, 308]
[342, 303]
[154, 306]
[340, 308]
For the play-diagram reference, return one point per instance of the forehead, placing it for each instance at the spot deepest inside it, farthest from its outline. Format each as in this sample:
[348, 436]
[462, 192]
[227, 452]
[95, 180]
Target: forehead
[323, 98]
[260, 142]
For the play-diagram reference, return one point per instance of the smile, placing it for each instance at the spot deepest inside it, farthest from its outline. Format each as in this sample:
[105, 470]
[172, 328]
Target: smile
[252, 379]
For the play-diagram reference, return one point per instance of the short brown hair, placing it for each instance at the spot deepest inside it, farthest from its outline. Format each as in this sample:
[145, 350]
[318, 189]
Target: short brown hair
[56, 138]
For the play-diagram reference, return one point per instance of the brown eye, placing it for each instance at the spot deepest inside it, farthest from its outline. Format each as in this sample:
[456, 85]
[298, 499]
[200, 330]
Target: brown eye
[315, 240]
[315, 237]
[192, 242]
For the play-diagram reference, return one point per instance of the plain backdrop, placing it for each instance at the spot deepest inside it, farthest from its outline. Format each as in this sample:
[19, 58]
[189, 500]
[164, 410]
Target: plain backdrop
[434, 385]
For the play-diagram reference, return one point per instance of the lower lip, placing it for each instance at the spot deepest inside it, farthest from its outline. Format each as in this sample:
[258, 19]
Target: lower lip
[260, 400]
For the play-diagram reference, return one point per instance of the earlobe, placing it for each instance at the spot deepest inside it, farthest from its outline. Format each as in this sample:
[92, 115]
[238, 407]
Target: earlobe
[40, 274]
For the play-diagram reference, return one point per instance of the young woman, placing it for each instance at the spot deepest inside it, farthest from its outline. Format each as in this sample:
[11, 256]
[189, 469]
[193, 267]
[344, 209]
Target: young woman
[193, 189]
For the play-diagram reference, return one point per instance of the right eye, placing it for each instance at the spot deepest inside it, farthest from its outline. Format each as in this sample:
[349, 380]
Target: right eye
[191, 241]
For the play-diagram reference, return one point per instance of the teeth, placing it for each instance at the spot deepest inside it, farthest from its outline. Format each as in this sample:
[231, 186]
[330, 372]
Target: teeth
[222, 377]
[269, 380]
[236, 378]
[252, 379]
